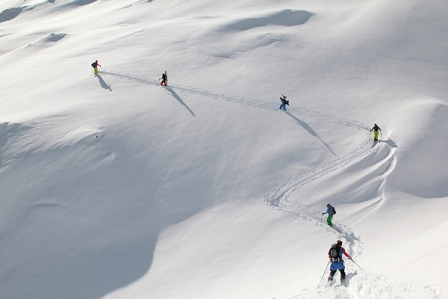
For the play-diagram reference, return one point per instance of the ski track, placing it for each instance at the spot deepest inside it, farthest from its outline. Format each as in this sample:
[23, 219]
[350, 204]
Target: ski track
[249, 102]
[358, 285]
[361, 285]
[278, 198]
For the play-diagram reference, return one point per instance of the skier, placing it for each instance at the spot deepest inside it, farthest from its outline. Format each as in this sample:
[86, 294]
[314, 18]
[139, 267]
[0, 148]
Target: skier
[284, 102]
[95, 67]
[376, 132]
[330, 211]
[164, 79]
[337, 263]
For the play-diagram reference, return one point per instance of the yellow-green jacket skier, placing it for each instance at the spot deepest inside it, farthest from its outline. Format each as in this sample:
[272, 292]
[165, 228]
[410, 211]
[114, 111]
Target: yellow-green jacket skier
[376, 131]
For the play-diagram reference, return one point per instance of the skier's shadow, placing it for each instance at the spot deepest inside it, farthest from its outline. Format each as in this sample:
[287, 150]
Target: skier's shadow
[311, 131]
[177, 97]
[103, 83]
[390, 142]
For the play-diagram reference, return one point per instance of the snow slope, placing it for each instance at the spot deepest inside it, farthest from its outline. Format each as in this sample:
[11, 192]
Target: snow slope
[115, 187]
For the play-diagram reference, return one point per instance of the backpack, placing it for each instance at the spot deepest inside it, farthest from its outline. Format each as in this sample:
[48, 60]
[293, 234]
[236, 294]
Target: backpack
[93, 64]
[333, 253]
[332, 210]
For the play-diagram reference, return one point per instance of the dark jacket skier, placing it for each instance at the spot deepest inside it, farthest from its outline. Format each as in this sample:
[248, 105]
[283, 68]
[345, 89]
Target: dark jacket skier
[284, 102]
[337, 263]
[164, 78]
[376, 131]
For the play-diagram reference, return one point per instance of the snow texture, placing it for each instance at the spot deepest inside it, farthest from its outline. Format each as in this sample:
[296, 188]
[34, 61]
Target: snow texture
[113, 186]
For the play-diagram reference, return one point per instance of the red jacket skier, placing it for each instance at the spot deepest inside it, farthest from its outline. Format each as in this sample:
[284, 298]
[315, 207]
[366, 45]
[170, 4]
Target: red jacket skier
[337, 263]
[95, 67]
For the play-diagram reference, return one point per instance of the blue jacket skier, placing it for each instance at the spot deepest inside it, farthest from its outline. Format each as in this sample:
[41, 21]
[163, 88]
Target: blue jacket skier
[337, 263]
[330, 211]
[284, 102]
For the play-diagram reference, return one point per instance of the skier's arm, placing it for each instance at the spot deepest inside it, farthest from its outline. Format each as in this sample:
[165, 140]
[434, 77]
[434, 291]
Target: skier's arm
[327, 212]
[346, 254]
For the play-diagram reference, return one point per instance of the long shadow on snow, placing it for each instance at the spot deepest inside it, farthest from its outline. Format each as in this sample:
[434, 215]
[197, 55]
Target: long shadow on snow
[103, 83]
[177, 97]
[390, 142]
[311, 131]
[153, 82]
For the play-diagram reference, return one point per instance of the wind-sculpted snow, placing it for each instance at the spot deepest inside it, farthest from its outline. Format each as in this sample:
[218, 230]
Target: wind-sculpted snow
[45, 42]
[79, 2]
[115, 187]
[10, 13]
[54, 37]
[286, 17]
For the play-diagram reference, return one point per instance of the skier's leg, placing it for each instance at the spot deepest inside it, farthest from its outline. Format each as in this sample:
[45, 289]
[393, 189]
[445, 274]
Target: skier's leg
[342, 274]
[329, 220]
[332, 272]
[95, 70]
[375, 133]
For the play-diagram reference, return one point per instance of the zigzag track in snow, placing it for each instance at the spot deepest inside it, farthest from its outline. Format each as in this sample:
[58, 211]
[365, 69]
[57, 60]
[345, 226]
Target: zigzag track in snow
[361, 285]
[278, 198]
[292, 184]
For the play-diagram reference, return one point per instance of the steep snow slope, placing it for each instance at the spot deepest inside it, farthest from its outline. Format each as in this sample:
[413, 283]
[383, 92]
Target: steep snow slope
[115, 187]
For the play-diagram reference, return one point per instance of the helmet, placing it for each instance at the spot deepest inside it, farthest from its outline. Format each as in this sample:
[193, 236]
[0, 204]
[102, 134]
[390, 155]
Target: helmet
[339, 242]
[328, 205]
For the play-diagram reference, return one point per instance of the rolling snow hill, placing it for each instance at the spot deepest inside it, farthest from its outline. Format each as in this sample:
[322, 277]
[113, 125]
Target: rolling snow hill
[112, 186]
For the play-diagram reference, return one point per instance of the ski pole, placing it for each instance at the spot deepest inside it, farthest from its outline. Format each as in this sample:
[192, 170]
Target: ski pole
[323, 274]
[355, 263]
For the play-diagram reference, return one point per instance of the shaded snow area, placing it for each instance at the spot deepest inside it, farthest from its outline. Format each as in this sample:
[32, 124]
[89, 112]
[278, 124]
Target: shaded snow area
[112, 186]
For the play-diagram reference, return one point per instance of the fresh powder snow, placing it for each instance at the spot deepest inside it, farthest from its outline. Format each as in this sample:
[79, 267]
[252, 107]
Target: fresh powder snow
[113, 186]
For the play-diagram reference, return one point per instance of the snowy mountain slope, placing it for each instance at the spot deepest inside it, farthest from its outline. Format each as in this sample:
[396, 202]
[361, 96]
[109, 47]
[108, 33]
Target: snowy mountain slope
[114, 187]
